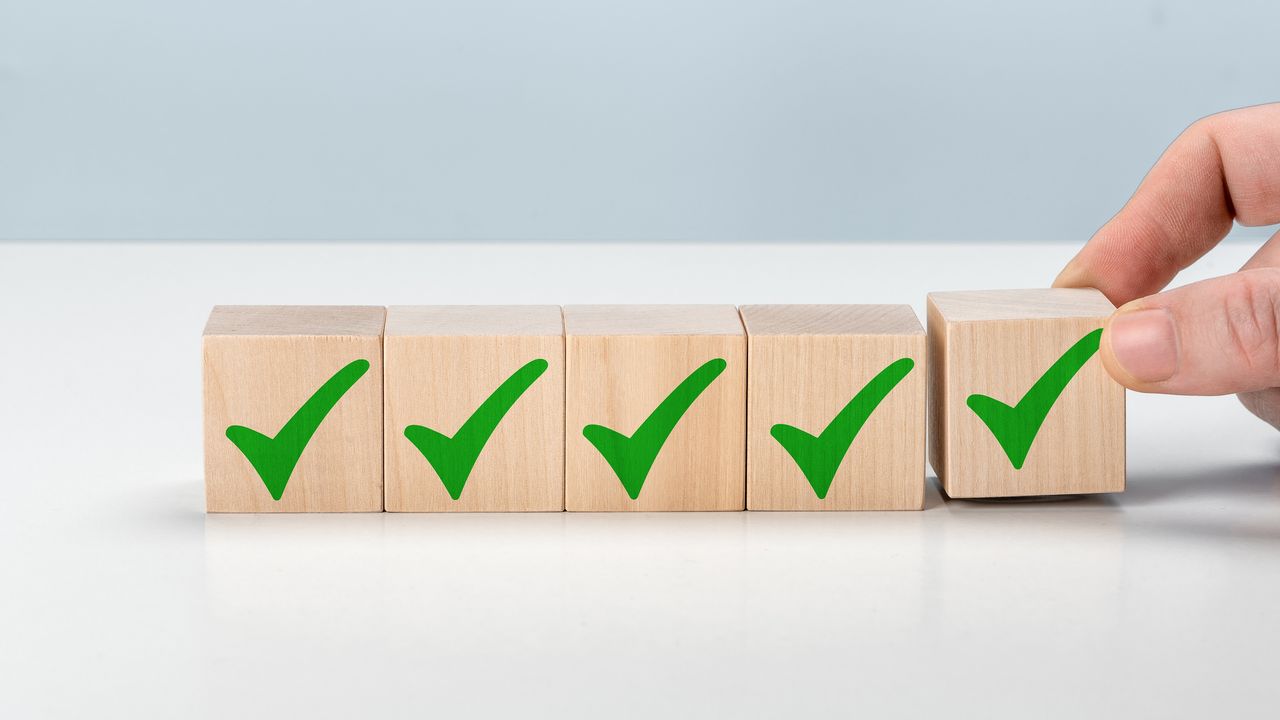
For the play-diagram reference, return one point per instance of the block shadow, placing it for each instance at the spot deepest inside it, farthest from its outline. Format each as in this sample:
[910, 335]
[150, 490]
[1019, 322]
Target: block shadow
[1230, 483]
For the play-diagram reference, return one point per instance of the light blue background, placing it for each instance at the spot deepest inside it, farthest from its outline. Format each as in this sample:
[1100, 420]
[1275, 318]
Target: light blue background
[604, 119]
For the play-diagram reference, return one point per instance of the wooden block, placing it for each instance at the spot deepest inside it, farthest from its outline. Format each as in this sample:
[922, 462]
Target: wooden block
[819, 366]
[463, 372]
[627, 364]
[999, 344]
[273, 376]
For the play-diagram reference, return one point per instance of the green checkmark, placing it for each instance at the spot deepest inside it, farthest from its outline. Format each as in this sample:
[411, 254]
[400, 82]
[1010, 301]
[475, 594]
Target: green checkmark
[819, 457]
[275, 457]
[632, 457]
[1015, 428]
[454, 457]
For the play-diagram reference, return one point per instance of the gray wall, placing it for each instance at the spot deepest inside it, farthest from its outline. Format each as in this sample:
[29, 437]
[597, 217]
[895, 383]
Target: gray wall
[604, 119]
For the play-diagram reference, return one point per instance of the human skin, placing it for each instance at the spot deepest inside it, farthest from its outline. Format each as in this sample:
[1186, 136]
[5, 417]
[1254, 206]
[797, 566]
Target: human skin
[1212, 337]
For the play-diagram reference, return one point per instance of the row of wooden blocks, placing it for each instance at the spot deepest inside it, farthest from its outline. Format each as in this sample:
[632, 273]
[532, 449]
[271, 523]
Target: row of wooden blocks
[666, 407]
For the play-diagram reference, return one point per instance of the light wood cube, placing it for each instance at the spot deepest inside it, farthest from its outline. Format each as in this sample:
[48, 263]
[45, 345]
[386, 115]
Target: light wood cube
[836, 407]
[1020, 402]
[293, 409]
[655, 408]
[474, 408]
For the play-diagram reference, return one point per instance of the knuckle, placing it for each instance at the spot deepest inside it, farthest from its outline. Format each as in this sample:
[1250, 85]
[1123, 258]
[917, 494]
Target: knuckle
[1255, 195]
[1244, 140]
[1252, 309]
[1249, 213]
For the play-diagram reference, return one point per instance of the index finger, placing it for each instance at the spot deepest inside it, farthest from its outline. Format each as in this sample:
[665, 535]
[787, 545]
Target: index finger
[1224, 167]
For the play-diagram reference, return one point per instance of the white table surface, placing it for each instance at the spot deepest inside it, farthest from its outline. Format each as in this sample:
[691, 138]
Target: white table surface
[122, 598]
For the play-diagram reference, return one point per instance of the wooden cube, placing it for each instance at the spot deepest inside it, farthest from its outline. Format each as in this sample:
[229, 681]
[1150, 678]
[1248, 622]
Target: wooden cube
[293, 409]
[1020, 402]
[474, 408]
[655, 408]
[835, 407]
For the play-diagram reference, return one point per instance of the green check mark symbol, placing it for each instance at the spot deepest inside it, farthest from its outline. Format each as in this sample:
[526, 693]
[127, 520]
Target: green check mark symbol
[453, 458]
[1015, 428]
[632, 457]
[819, 457]
[275, 457]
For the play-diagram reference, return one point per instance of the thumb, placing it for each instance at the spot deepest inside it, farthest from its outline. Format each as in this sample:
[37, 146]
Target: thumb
[1212, 337]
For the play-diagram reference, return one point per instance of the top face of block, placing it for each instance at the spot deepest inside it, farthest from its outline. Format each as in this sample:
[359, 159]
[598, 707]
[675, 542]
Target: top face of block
[474, 320]
[853, 320]
[652, 320]
[318, 320]
[1039, 304]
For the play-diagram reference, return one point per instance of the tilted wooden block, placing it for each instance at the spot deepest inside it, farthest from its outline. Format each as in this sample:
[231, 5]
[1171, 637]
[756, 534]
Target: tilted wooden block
[293, 409]
[655, 408]
[836, 404]
[474, 408]
[1020, 402]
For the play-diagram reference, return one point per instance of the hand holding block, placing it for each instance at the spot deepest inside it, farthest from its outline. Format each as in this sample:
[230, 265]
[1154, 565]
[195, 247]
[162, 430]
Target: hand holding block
[474, 408]
[293, 409]
[655, 408]
[1021, 405]
[836, 402]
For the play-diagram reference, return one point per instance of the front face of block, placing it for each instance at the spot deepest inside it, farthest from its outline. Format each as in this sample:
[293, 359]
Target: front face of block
[440, 383]
[311, 395]
[1043, 443]
[806, 382]
[638, 386]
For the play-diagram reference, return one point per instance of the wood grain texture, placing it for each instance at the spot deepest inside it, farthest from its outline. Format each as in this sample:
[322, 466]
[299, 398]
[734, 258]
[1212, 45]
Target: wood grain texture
[845, 320]
[1039, 303]
[324, 320]
[983, 342]
[473, 320]
[260, 365]
[806, 363]
[621, 363]
[442, 362]
[652, 320]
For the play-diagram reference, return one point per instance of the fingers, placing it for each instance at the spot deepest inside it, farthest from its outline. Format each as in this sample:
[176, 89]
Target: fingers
[1212, 337]
[1223, 167]
[1267, 256]
[1263, 403]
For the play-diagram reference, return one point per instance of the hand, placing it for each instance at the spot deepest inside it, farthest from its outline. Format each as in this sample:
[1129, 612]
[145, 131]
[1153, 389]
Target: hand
[1212, 337]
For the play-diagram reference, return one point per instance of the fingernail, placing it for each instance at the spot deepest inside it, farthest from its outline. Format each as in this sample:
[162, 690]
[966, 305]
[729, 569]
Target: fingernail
[1145, 343]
